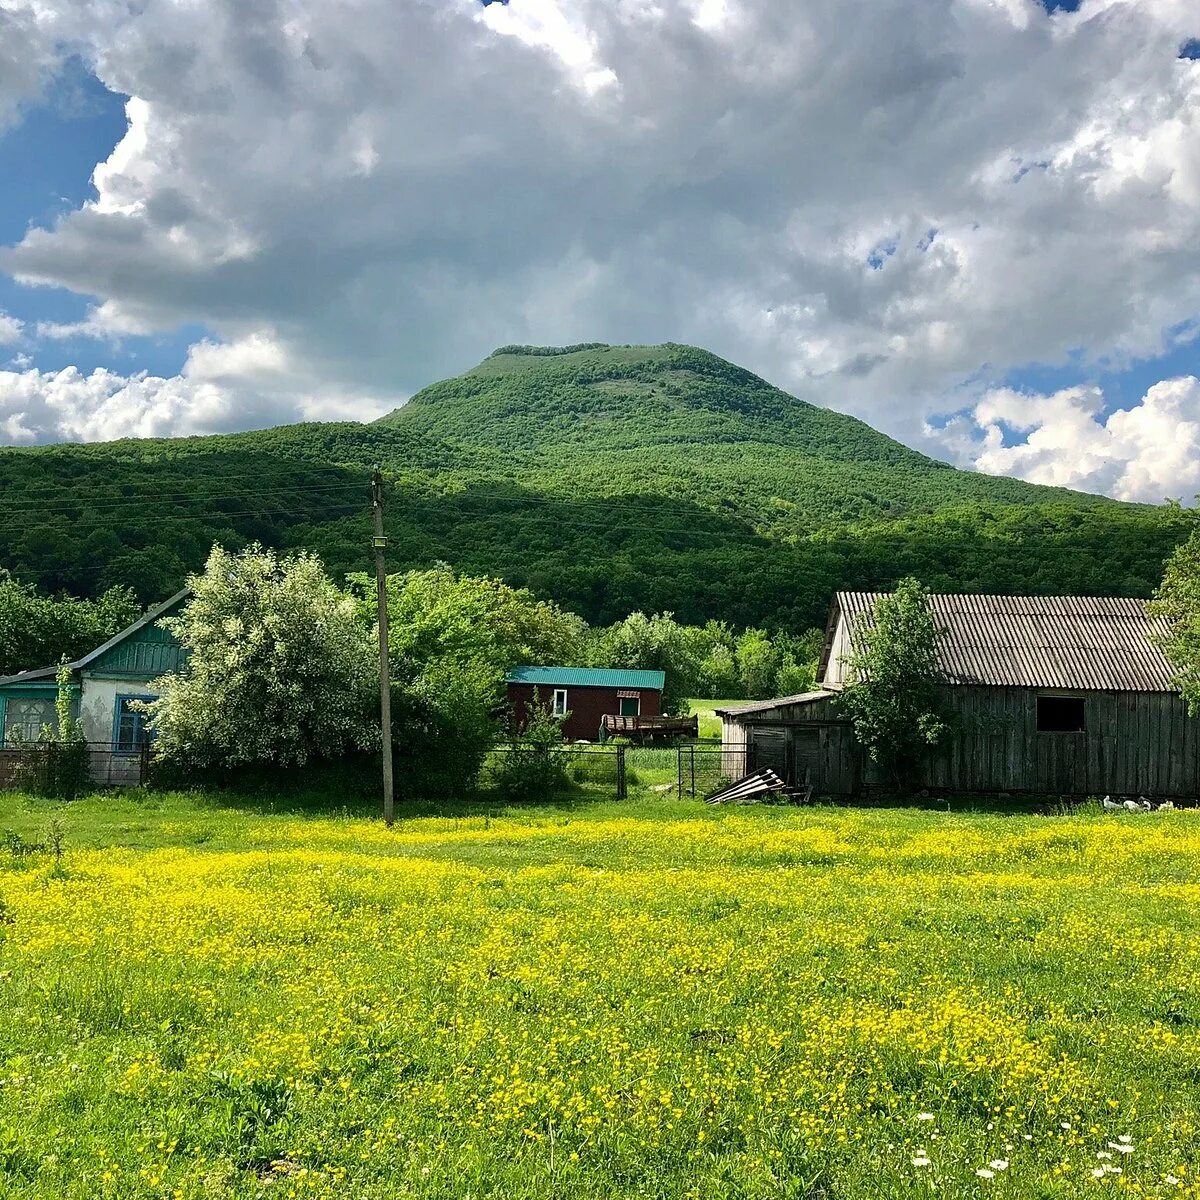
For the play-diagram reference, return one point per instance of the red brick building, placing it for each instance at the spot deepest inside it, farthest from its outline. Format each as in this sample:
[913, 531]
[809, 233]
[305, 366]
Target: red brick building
[585, 694]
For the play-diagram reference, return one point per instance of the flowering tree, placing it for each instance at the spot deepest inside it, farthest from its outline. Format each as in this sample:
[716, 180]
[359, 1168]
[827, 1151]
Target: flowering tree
[280, 667]
[893, 695]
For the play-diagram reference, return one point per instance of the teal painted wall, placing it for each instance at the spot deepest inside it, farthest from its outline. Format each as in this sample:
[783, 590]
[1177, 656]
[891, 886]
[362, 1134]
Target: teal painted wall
[145, 655]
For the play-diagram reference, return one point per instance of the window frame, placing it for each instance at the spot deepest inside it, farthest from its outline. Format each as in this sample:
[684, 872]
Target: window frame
[8, 703]
[118, 703]
[554, 706]
[1037, 713]
[623, 700]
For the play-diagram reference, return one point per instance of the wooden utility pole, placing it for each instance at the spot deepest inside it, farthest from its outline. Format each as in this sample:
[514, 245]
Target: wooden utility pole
[385, 674]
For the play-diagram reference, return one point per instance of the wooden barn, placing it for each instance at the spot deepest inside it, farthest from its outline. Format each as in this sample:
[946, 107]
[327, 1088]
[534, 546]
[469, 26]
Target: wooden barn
[1051, 695]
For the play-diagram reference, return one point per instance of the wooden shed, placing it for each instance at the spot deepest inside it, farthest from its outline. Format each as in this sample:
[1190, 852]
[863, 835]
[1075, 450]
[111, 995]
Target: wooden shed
[1052, 695]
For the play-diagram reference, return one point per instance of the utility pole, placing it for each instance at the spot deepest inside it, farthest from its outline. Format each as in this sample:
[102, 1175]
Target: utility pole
[385, 674]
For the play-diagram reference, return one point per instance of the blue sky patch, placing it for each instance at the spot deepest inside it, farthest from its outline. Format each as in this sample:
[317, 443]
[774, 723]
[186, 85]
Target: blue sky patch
[46, 162]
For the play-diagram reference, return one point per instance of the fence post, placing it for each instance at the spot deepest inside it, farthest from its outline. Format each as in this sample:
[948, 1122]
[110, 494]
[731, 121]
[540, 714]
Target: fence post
[144, 762]
[679, 772]
[693, 750]
[621, 792]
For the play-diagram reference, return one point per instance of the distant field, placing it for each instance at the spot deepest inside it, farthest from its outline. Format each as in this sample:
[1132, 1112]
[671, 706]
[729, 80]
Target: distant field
[652, 1000]
[710, 723]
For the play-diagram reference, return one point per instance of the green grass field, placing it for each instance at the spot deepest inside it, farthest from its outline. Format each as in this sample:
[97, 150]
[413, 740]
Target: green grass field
[710, 723]
[660, 1000]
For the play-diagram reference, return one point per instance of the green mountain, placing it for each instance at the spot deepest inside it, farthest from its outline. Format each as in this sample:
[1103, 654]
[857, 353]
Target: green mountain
[609, 477]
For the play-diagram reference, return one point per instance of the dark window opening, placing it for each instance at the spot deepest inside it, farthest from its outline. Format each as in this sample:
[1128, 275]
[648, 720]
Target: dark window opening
[1060, 714]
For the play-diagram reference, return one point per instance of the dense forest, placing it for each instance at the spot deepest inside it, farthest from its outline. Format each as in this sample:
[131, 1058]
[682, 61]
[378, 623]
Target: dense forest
[611, 479]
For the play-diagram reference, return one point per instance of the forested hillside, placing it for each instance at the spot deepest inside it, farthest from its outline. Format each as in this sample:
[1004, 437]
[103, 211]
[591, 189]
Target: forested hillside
[609, 478]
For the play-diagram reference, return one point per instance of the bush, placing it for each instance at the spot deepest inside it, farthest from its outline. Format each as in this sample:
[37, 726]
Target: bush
[538, 766]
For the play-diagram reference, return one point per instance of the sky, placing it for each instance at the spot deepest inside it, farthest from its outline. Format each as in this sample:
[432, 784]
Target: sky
[975, 224]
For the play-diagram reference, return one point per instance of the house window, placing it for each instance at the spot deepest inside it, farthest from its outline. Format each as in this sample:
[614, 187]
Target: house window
[631, 706]
[1060, 714]
[560, 702]
[23, 720]
[130, 725]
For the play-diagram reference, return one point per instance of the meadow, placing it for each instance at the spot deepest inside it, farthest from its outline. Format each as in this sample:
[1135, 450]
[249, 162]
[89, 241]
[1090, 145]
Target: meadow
[203, 998]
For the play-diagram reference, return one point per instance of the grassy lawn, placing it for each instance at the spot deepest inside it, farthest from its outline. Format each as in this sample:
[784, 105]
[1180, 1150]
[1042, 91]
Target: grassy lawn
[653, 999]
[710, 723]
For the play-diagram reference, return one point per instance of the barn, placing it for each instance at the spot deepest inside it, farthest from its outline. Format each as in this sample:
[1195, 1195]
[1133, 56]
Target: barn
[586, 695]
[1051, 695]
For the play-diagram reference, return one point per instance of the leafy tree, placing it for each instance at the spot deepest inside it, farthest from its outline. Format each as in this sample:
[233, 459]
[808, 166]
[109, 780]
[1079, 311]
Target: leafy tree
[758, 664]
[718, 675]
[893, 698]
[36, 629]
[1177, 600]
[451, 638]
[280, 667]
[656, 643]
[470, 622]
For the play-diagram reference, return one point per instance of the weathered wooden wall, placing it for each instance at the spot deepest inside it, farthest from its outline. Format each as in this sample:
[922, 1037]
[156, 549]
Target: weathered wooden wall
[1134, 743]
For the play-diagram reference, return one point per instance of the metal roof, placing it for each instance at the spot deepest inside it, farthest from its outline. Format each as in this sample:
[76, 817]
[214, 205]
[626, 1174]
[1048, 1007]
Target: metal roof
[587, 677]
[736, 710]
[1090, 643]
[147, 618]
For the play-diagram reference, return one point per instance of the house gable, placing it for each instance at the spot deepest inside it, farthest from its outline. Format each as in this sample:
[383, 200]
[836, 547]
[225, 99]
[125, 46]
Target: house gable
[147, 654]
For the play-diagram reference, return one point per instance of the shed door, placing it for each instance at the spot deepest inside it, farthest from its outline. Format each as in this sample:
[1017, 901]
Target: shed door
[768, 748]
[806, 750]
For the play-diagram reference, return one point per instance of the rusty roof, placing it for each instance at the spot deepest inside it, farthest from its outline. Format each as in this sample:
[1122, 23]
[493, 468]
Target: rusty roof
[1089, 643]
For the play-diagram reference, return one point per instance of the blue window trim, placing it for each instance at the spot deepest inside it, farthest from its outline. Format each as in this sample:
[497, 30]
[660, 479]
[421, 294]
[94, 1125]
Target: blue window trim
[116, 737]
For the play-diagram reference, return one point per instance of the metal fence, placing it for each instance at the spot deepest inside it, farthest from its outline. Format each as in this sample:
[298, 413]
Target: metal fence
[687, 769]
[530, 770]
[515, 769]
[109, 764]
[705, 767]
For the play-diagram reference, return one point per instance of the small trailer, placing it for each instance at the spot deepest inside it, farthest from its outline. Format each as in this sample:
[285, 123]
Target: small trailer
[644, 729]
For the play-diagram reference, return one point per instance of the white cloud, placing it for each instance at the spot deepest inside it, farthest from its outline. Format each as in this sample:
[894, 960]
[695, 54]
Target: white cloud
[392, 190]
[222, 387]
[11, 329]
[1147, 452]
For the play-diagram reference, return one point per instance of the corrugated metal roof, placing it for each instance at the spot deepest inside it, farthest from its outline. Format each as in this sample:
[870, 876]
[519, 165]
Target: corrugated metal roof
[587, 677]
[1101, 643]
[733, 710]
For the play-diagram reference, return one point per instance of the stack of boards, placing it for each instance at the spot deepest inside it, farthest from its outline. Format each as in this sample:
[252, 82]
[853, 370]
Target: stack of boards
[757, 787]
